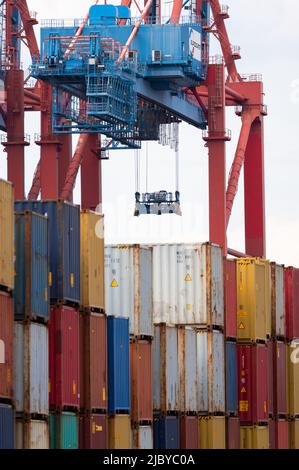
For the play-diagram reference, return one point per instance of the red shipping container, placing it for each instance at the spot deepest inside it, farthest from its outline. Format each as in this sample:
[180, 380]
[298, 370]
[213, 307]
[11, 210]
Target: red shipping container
[272, 434]
[189, 432]
[233, 433]
[253, 383]
[141, 381]
[93, 362]
[281, 434]
[6, 345]
[270, 378]
[292, 303]
[64, 357]
[230, 299]
[280, 385]
[93, 432]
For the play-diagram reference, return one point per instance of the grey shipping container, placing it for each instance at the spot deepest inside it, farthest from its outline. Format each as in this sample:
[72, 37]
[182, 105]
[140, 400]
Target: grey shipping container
[167, 432]
[210, 372]
[31, 294]
[31, 368]
[128, 286]
[32, 434]
[64, 226]
[187, 369]
[7, 424]
[231, 369]
[142, 437]
[166, 395]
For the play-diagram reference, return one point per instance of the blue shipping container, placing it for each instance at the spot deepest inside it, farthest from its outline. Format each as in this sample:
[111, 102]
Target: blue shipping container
[166, 432]
[118, 365]
[31, 294]
[7, 425]
[231, 378]
[64, 227]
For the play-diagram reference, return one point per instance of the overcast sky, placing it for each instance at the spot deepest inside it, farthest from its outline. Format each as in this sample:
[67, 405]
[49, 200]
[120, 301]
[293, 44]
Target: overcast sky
[269, 38]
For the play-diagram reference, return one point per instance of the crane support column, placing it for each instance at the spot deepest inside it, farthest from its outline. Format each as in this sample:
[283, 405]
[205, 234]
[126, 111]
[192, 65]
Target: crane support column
[91, 174]
[216, 138]
[254, 191]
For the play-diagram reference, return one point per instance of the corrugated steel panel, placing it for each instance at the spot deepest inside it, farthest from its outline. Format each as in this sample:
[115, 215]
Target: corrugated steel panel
[293, 375]
[270, 348]
[142, 437]
[167, 432]
[118, 365]
[188, 432]
[282, 434]
[254, 295]
[92, 260]
[211, 431]
[31, 293]
[233, 433]
[64, 357]
[119, 432]
[187, 369]
[64, 432]
[292, 303]
[64, 226]
[294, 434]
[280, 385]
[128, 286]
[93, 362]
[166, 393]
[272, 434]
[230, 298]
[31, 370]
[210, 372]
[93, 432]
[253, 383]
[254, 437]
[141, 381]
[32, 434]
[7, 425]
[6, 234]
[231, 378]
[188, 284]
[278, 301]
[6, 346]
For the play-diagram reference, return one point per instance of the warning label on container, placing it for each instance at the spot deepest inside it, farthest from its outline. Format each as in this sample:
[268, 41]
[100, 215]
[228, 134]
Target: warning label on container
[188, 278]
[243, 390]
[241, 326]
[114, 283]
[243, 405]
[242, 314]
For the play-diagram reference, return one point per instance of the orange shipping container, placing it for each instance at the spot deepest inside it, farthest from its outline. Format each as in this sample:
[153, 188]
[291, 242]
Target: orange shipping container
[141, 381]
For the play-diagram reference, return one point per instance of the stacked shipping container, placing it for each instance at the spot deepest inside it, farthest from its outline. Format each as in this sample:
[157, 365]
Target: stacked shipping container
[7, 415]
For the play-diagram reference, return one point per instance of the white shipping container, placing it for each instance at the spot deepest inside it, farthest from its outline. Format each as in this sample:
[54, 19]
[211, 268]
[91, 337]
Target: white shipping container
[31, 368]
[128, 286]
[188, 285]
[187, 340]
[278, 300]
[32, 434]
[210, 372]
[142, 437]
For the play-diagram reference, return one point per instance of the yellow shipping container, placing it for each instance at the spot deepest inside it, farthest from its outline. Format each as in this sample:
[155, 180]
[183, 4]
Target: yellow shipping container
[254, 299]
[294, 434]
[254, 437]
[211, 432]
[293, 382]
[120, 432]
[92, 260]
[6, 234]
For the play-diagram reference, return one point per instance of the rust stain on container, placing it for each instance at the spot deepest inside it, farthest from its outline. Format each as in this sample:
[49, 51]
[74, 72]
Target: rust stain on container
[254, 437]
[32, 434]
[233, 433]
[93, 362]
[211, 432]
[6, 345]
[119, 432]
[6, 234]
[187, 369]
[92, 260]
[141, 381]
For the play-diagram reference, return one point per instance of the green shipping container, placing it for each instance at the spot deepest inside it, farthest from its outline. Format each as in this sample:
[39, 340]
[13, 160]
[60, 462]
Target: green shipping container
[64, 431]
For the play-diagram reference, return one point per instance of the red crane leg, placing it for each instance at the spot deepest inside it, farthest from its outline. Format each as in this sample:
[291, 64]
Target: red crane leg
[254, 188]
[64, 160]
[91, 175]
[216, 139]
[15, 145]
